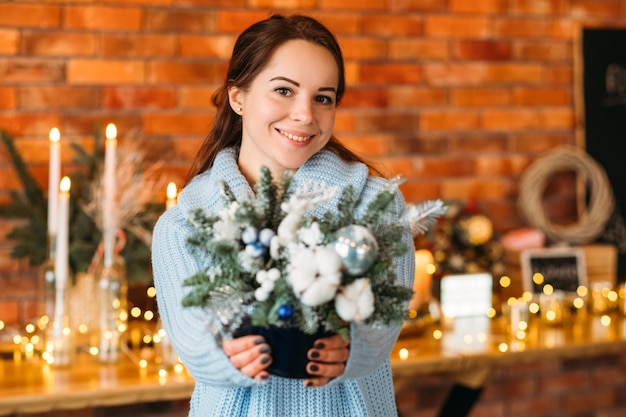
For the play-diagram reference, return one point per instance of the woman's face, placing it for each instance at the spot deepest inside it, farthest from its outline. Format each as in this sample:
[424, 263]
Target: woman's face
[288, 112]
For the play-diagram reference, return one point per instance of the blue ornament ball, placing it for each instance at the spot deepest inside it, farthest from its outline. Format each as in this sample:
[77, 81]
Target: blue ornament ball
[249, 235]
[357, 248]
[285, 312]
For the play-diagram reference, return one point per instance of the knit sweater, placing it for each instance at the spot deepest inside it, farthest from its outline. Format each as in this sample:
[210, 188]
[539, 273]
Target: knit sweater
[366, 387]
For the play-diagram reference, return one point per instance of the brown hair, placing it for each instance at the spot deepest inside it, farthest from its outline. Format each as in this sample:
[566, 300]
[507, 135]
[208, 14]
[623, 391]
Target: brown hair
[252, 51]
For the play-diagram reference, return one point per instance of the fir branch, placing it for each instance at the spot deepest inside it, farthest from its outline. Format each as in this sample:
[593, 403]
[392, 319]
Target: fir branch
[33, 193]
[346, 206]
[31, 239]
[376, 211]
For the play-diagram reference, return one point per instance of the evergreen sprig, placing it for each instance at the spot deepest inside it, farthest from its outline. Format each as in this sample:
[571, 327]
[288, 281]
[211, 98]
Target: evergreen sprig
[31, 238]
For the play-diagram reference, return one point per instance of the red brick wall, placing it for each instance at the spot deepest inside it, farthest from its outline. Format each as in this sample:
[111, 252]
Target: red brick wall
[458, 96]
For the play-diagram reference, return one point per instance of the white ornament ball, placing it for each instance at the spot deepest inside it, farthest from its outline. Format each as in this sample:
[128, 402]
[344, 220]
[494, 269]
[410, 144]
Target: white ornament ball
[357, 248]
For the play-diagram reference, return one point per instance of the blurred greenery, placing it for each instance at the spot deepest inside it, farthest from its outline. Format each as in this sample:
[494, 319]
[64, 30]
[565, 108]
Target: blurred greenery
[30, 204]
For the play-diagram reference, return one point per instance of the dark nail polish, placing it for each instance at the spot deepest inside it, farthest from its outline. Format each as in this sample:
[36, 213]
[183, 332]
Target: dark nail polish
[265, 359]
[309, 383]
[264, 349]
[259, 341]
[314, 368]
[319, 345]
[264, 376]
[315, 354]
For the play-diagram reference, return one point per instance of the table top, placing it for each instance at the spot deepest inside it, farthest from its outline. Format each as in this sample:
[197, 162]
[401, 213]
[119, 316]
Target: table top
[452, 348]
[29, 386]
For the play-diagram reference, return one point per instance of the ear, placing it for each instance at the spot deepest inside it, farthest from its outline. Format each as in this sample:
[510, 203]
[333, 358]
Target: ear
[235, 99]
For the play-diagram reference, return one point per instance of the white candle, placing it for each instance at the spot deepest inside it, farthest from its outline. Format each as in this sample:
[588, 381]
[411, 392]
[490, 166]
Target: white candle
[424, 268]
[108, 200]
[54, 175]
[172, 193]
[61, 266]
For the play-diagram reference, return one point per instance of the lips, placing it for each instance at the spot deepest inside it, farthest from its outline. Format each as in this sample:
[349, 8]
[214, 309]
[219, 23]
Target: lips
[295, 138]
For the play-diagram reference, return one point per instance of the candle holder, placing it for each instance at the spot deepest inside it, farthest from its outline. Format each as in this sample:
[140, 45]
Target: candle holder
[518, 314]
[552, 307]
[603, 299]
[164, 350]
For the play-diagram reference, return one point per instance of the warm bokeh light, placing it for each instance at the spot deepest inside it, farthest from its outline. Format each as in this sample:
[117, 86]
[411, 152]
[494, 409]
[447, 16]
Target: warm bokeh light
[54, 135]
[65, 184]
[505, 281]
[548, 289]
[111, 132]
[172, 191]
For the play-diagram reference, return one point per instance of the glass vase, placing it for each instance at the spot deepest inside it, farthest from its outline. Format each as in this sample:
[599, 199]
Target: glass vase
[165, 355]
[54, 312]
[112, 292]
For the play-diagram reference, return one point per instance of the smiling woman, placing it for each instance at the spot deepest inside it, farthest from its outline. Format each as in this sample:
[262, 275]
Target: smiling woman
[290, 109]
[276, 109]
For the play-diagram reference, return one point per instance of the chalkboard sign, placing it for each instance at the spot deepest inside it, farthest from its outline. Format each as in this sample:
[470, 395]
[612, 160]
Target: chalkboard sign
[563, 268]
[603, 79]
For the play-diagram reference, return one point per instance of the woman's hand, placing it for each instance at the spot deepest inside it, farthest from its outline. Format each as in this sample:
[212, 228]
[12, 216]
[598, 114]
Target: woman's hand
[249, 354]
[327, 360]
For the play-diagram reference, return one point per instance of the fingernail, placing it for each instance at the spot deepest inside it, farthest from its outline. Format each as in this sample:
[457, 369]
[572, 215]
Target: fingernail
[264, 376]
[308, 384]
[314, 368]
[259, 341]
[315, 354]
[265, 359]
[264, 349]
[319, 345]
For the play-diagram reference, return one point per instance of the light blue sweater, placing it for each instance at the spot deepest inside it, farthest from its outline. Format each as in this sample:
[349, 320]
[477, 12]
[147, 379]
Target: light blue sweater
[366, 387]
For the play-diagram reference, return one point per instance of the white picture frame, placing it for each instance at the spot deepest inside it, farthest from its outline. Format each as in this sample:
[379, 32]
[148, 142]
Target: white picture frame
[562, 267]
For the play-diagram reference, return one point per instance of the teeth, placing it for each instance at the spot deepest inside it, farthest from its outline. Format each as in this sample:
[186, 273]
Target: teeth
[294, 137]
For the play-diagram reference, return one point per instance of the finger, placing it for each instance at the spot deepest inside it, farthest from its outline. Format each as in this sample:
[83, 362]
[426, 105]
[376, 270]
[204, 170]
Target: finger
[246, 357]
[331, 342]
[327, 370]
[328, 355]
[258, 368]
[240, 344]
[316, 382]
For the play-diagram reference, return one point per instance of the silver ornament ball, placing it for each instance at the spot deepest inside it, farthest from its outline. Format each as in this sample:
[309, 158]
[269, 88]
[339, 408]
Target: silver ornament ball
[357, 248]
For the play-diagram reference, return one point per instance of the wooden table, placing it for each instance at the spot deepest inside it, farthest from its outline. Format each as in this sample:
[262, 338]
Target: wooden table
[466, 352]
[34, 386]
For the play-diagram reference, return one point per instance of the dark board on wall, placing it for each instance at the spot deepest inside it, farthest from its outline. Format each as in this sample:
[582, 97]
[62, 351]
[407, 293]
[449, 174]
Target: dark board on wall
[604, 91]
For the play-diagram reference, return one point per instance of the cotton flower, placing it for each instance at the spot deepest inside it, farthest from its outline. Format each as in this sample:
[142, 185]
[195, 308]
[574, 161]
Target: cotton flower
[311, 236]
[355, 301]
[315, 275]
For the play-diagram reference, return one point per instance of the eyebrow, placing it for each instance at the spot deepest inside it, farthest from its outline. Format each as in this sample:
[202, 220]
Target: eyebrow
[297, 84]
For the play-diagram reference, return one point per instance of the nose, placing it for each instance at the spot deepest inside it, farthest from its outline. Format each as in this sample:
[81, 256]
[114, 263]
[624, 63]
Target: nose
[302, 111]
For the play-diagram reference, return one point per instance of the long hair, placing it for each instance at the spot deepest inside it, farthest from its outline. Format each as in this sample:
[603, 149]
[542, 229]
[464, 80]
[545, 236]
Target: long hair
[251, 53]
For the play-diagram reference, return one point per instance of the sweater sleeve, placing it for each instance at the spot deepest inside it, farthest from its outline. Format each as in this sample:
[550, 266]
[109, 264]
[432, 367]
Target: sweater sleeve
[370, 346]
[172, 263]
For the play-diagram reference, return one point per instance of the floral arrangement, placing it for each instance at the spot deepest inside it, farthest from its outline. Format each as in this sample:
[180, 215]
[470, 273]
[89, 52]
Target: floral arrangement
[269, 261]
[463, 241]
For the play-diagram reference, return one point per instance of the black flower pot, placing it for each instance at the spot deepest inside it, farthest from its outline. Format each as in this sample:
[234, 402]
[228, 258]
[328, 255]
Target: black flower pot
[289, 345]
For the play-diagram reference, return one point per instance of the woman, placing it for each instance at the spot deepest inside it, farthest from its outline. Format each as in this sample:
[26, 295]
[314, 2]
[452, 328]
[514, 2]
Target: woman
[275, 109]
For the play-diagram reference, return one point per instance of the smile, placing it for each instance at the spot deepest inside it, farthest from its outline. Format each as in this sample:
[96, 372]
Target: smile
[293, 137]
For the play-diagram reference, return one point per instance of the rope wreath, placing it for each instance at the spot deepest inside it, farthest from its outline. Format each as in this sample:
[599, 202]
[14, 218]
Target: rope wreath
[592, 220]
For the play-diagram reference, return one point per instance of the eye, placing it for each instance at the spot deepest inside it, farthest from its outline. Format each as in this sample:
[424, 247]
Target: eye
[324, 99]
[284, 91]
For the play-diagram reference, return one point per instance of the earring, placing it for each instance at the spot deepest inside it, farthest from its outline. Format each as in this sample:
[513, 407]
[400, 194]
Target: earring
[239, 109]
